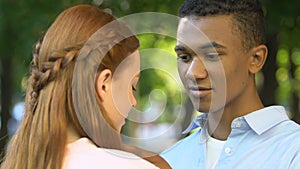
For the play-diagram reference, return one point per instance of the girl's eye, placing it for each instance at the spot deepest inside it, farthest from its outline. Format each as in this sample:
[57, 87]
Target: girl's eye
[133, 88]
[184, 57]
[212, 56]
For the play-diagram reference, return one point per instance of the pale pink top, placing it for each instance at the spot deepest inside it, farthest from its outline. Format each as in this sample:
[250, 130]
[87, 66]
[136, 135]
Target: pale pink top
[83, 154]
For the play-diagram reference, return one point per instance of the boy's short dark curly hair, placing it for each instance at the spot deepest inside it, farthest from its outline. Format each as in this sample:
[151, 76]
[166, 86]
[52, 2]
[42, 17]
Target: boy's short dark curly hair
[248, 16]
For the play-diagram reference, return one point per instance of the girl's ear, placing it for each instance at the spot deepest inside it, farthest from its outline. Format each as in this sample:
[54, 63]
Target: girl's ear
[258, 58]
[103, 83]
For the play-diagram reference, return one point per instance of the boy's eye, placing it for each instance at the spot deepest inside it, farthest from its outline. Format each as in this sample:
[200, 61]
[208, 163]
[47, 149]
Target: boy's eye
[184, 57]
[212, 56]
[133, 88]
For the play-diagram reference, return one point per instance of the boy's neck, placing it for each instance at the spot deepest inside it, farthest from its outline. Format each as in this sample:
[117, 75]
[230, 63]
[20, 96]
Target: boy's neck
[219, 123]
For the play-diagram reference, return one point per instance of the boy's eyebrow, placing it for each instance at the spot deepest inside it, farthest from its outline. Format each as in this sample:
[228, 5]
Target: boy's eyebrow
[179, 48]
[212, 45]
[205, 46]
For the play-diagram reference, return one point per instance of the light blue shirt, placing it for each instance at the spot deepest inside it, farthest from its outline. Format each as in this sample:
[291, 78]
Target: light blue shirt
[264, 139]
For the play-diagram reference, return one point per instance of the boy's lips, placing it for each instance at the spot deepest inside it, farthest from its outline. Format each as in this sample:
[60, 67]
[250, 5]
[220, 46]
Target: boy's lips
[199, 91]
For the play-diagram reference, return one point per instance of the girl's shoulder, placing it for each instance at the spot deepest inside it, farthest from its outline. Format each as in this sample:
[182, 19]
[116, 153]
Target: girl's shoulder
[85, 154]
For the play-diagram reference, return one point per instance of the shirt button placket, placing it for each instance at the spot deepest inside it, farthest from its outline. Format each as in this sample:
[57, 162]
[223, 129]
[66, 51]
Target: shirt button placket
[227, 150]
[225, 158]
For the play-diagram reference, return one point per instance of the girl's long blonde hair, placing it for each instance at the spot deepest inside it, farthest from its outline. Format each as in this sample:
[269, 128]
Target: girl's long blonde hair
[42, 136]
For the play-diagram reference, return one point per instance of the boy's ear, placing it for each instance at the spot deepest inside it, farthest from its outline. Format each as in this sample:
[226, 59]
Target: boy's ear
[258, 58]
[103, 83]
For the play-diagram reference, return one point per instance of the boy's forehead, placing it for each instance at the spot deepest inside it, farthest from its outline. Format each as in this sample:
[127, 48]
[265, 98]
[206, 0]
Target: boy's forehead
[189, 35]
[201, 22]
[204, 30]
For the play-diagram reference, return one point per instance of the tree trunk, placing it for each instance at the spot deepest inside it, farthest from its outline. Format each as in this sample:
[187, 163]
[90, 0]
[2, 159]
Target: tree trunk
[6, 97]
[295, 108]
[269, 70]
[6, 56]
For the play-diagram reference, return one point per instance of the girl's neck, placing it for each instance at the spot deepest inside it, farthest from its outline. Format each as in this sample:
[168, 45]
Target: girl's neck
[72, 134]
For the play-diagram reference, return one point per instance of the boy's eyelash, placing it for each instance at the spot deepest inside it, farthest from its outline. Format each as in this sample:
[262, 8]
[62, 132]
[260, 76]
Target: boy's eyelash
[183, 56]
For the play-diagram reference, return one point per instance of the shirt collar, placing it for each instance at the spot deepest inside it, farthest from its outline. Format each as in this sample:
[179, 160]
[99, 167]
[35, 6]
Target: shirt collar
[198, 121]
[259, 121]
[266, 118]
